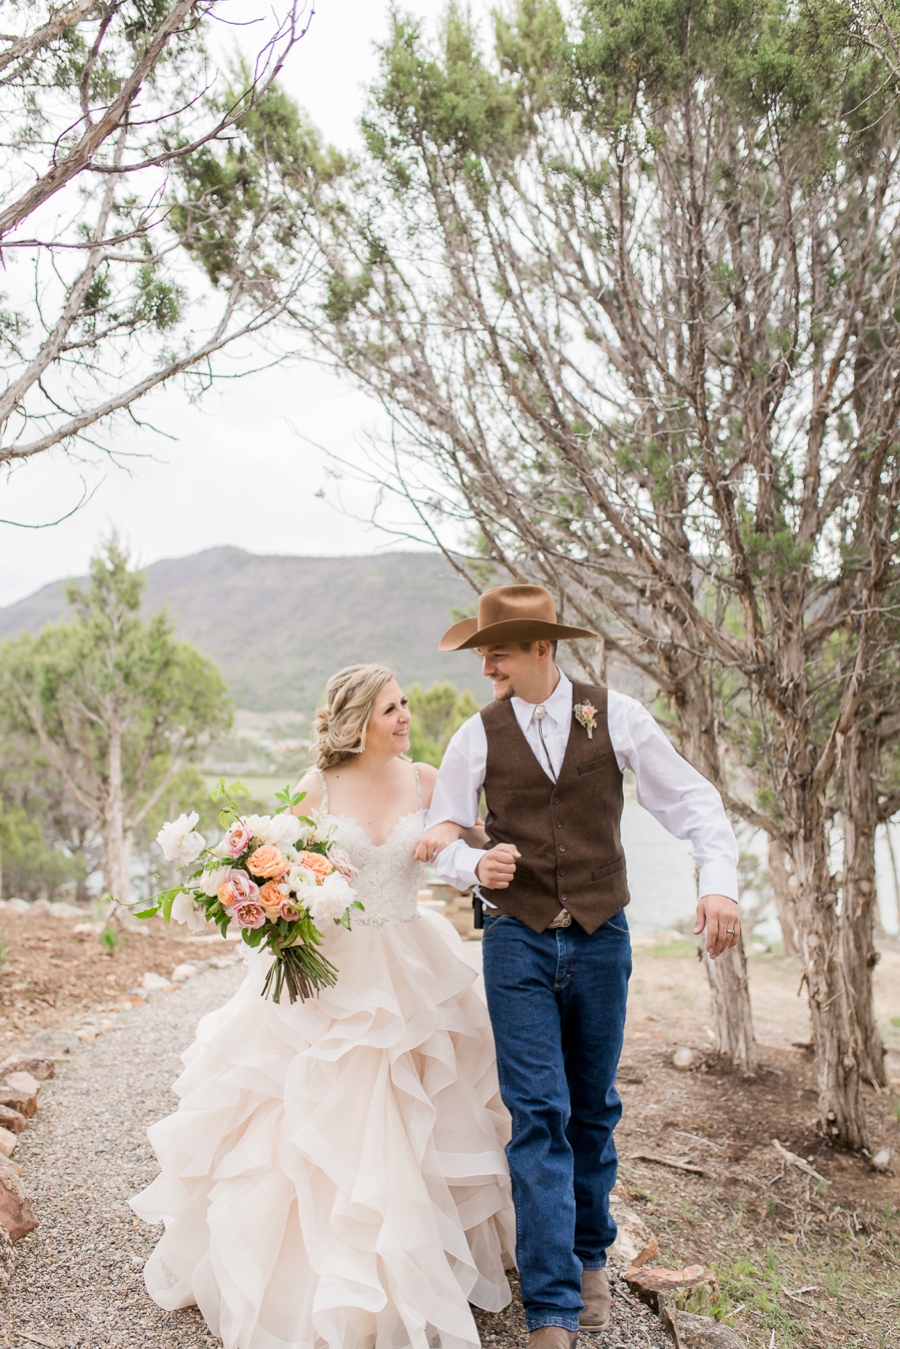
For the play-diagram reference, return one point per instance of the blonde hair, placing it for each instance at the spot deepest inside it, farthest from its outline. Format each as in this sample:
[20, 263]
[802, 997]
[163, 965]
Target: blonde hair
[339, 729]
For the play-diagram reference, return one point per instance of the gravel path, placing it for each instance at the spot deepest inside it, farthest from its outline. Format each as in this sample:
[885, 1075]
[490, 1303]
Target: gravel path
[79, 1281]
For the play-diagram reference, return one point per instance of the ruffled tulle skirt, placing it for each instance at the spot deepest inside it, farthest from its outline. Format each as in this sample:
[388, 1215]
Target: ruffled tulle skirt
[334, 1176]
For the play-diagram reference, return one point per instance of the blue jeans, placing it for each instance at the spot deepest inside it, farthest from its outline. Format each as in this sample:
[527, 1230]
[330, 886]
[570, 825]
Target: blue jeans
[557, 1005]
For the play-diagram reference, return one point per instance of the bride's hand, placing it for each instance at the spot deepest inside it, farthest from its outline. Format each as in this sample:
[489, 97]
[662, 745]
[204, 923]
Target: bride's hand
[435, 839]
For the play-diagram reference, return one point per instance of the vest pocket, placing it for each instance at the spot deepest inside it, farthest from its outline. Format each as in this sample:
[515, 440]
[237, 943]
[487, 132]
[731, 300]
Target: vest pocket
[611, 869]
[593, 765]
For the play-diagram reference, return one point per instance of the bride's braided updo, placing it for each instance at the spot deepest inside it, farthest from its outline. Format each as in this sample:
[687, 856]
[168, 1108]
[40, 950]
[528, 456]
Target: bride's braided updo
[339, 729]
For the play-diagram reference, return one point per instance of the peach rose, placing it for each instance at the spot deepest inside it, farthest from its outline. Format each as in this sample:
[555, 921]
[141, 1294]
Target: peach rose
[268, 861]
[271, 897]
[249, 914]
[237, 888]
[290, 909]
[317, 864]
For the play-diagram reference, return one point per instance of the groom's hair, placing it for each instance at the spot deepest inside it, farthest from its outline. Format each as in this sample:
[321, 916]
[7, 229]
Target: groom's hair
[526, 646]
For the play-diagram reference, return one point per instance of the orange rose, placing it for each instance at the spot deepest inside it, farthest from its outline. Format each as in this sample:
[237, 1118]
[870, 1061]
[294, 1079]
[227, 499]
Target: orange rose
[271, 897]
[317, 864]
[268, 861]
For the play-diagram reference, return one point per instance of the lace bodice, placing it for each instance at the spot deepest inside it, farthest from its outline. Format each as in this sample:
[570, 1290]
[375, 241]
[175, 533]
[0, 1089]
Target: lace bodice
[389, 876]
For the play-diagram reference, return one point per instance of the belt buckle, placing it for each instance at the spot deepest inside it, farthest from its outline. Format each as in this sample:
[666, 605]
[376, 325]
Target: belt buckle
[562, 919]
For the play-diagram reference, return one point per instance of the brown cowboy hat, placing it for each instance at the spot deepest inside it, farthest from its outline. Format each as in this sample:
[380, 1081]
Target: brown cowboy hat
[510, 614]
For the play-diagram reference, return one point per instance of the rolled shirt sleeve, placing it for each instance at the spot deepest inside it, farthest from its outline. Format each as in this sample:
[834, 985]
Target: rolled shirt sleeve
[673, 791]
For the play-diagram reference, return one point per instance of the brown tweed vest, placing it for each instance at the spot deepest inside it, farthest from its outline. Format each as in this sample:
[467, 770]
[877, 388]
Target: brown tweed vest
[568, 833]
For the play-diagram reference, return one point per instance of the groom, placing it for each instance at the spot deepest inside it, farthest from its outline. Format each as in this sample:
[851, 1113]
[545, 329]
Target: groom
[549, 754]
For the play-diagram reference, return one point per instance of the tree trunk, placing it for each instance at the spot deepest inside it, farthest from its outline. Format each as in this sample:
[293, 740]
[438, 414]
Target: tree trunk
[116, 844]
[732, 1018]
[859, 896]
[781, 891]
[895, 875]
[729, 992]
[841, 1108]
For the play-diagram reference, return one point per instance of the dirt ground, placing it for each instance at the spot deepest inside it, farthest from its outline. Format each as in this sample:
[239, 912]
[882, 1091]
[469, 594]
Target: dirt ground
[800, 1262]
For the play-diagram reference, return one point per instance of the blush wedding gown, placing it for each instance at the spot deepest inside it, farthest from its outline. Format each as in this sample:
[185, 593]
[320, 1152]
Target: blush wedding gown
[334, 1176]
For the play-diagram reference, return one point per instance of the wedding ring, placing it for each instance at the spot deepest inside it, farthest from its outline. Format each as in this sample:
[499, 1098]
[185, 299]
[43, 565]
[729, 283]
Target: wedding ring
[729, 931]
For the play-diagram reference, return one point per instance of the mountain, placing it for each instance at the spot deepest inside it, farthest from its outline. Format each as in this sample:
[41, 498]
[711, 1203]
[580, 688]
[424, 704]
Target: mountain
[277, 627]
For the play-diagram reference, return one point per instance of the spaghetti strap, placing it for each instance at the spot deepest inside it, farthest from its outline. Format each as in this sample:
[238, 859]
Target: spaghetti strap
[418, 785]
[325, 791]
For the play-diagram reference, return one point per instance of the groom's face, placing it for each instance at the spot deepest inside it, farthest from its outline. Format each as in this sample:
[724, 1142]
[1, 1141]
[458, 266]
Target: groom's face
[509, 668]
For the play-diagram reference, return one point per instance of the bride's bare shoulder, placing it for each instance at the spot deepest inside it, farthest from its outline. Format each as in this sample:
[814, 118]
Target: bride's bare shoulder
[311, 785]
[427, 777]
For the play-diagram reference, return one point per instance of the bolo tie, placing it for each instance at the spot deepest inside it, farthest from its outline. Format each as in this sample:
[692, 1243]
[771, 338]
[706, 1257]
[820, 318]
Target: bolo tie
[539, 713]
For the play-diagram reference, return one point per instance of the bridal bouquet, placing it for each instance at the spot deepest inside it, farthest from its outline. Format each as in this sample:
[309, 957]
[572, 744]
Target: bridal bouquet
[277, 877]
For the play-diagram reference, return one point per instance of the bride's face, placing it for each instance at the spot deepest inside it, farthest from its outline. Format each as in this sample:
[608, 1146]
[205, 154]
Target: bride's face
[388, 731]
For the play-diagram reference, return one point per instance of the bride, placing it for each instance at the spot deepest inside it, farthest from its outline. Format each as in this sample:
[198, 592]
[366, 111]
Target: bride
[334, 1176]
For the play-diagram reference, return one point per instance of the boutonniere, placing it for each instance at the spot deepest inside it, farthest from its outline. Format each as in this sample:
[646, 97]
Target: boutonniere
[586, 716]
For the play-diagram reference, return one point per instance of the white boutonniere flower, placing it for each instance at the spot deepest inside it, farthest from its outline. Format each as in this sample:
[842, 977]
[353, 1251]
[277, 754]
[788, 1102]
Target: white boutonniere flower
[586, 716]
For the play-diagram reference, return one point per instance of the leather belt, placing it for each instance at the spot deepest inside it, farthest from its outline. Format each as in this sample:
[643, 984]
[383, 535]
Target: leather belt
[562, 919]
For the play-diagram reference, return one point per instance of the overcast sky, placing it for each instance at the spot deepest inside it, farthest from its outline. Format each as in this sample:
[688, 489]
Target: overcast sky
[242, 468]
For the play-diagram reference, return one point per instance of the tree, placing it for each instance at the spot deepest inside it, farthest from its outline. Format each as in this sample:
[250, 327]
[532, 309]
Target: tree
[437, 713]
[107, 108]
[115, 705]
[629, 289]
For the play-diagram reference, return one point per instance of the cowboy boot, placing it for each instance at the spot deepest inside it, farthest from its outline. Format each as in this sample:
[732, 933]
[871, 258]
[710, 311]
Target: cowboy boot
[597, 1301]
[552, 1337]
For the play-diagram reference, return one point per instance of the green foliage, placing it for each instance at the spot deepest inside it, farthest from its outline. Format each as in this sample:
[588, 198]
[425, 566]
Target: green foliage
[31, 867]
[436, 714]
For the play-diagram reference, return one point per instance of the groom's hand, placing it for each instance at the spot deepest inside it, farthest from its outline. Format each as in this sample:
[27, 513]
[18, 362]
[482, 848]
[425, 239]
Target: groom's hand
[436, 839]
[498, 866]
[722, 919]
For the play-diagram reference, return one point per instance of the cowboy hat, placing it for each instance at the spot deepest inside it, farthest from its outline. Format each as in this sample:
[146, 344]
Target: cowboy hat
[510, 614]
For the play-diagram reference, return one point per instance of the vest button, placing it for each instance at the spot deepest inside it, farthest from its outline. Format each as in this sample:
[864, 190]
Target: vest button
[562, 871]
[562, 847]
[559, 824]
[564, 898]
[557, 800]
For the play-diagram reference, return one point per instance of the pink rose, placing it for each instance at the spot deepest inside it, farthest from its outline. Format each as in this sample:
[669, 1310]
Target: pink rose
[341, 862]
[249, 914]
[290, 910]
[238, 838]
[237, 888]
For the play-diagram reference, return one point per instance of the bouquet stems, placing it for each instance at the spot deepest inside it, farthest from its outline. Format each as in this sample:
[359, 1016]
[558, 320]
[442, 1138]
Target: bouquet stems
[299, 969]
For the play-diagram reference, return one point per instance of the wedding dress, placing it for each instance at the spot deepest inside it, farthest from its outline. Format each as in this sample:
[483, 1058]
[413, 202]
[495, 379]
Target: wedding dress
[334, 1176]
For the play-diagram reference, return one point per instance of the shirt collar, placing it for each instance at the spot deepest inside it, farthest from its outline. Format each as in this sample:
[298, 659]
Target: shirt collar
[558, 706]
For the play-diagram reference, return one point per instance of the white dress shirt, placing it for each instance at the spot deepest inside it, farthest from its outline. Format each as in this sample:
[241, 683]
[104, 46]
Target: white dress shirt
[673, 792]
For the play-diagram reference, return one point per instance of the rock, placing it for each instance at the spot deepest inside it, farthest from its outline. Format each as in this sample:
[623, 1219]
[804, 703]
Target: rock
[184, 972]
[155, 983]
[7, 1260]
[40, 908]
[635, 1244]
[22, 1081]
[88, 927]
[685, 1059]
[39, 1068]
[15, 1211]
[8, 1141]
[17, 906]
[12, 1119]
[882, 1160]
[699, 1332]
[87, 1034]
[23, 1101]
[56, 1042]
[60, 910]
[648, 1284]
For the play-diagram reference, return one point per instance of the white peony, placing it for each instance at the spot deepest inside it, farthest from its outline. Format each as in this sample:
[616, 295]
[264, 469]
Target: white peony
[185, 911]
[257, 824]
[282, 831]
[329, 900]
[211, 880]
[179, 840]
